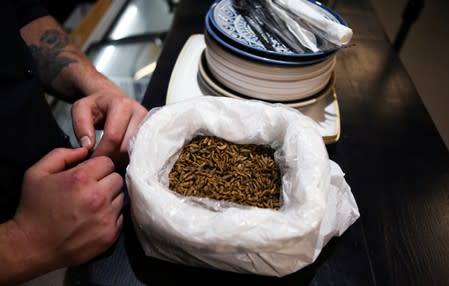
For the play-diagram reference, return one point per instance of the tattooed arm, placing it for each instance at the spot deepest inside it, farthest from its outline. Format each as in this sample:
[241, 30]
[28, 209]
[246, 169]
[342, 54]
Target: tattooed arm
[61, 66]
[97, 101]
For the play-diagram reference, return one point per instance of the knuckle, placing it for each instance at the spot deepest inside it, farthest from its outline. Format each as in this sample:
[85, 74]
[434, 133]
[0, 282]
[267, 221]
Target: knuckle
[122, 100]
[113, 137]
[77, 105]
[119, 201]
[28, 175]
[142, 111]
[105, 162]
[79, 177]
[94, 201]
[126, 104]
[117, 179]
[121, 198]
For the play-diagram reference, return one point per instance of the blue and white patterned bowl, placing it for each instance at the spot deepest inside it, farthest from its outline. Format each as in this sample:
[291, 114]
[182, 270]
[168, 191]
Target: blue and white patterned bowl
[231, 28]
[249, 54]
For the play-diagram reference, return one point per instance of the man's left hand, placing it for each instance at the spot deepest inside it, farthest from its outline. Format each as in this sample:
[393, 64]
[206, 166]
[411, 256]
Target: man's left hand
[111, 110]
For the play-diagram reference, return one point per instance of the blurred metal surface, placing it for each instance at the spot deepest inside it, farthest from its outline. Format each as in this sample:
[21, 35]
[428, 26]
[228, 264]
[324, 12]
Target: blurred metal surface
[142, 17]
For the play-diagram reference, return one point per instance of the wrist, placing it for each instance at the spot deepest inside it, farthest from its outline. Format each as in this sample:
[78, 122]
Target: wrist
[97, 83]
[22, 260]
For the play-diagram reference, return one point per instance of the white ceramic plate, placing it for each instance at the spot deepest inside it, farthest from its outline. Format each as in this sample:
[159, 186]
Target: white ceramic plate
[261, 89]
[267, 89]
[184, 84]
[208, 82]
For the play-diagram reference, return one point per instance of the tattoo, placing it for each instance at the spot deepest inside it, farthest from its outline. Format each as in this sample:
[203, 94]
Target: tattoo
[47, 54]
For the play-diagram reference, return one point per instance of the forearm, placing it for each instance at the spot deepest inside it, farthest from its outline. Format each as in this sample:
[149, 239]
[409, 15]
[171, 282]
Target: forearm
[61, 66]
[17, 258]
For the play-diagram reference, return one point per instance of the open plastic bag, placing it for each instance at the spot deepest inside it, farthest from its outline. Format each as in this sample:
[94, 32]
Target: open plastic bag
[317, 203]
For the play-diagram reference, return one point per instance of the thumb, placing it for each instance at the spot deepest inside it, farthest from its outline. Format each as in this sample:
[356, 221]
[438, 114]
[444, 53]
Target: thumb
[83, 123]
[60, 159]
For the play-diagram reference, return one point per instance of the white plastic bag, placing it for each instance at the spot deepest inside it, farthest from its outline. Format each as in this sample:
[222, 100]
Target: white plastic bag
[317, 203]
[310, 13]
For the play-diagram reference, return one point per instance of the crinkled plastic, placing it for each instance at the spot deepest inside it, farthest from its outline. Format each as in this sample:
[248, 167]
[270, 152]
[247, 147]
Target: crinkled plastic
[304, 36]
[332, 31]
[317, 203]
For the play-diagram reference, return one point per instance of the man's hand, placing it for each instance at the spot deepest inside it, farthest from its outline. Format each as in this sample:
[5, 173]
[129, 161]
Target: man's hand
[68, 73]
[69, 213]
[119, 116]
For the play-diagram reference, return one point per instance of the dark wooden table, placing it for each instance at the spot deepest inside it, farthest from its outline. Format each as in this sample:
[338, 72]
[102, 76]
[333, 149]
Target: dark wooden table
[394, 159]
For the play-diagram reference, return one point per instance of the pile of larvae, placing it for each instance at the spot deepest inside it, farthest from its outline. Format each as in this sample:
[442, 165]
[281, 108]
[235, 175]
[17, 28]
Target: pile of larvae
[211, 167]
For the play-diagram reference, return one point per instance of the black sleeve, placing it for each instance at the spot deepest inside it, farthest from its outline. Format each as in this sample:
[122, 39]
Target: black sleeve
[28, 10]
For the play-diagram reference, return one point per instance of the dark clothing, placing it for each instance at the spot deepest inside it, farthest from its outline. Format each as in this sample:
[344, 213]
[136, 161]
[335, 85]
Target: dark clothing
[28, 129]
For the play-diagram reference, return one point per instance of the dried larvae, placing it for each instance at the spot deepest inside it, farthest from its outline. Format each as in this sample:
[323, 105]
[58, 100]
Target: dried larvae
[211, 167]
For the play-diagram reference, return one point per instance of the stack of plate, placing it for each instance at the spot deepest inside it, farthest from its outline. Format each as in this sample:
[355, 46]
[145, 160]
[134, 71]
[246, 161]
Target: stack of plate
[235, 63]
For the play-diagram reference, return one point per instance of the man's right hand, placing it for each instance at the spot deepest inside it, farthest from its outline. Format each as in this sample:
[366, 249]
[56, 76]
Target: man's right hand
[70, 212]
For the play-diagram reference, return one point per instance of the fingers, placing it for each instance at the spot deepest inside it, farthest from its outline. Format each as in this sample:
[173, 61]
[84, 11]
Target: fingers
[60, 159]
[112, 186]
[85, 114]
[119, 130]
[119, 222]
[98, 167]
[121, 116]
[134, 124]
[115, 128]
[117, 205]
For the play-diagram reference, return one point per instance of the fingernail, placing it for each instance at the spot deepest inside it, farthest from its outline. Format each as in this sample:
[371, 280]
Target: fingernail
[85, 141]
